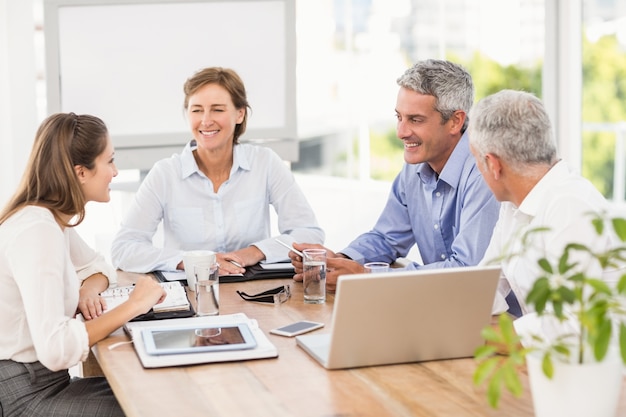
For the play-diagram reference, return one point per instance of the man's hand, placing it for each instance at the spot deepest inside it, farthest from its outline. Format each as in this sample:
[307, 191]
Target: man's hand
[338, 266]
[296, 260]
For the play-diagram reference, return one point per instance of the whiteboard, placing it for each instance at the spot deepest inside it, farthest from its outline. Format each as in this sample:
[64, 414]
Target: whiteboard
[126, 62]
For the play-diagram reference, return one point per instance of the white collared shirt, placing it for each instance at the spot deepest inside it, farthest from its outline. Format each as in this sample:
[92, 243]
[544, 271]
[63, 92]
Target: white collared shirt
[559, 201]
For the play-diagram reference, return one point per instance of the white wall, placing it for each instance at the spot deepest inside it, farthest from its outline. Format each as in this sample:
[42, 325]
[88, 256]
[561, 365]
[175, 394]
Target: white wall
[18, 105]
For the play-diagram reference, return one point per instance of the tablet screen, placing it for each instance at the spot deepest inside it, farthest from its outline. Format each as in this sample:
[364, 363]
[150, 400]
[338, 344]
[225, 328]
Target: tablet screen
[197, 339]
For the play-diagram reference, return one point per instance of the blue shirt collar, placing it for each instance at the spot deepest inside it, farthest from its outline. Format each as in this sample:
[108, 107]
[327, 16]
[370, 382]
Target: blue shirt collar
[451, 173]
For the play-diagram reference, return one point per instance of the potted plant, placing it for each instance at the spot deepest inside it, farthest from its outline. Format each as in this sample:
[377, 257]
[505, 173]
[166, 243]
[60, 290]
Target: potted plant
[565, 294]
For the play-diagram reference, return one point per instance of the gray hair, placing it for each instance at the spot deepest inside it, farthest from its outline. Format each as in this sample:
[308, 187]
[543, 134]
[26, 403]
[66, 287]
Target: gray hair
[514, 126]
[449, 83]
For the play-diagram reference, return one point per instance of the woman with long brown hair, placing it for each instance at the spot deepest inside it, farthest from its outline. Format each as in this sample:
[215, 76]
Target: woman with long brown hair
[48, 274]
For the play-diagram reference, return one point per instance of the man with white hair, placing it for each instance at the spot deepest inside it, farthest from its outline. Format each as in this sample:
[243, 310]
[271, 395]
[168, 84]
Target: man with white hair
[515, 150]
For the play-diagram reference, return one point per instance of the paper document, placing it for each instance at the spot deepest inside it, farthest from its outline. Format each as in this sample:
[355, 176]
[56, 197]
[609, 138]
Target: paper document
[277, 266]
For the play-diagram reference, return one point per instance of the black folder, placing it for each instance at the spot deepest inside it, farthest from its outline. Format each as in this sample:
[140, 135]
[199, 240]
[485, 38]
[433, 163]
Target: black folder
[252, 273]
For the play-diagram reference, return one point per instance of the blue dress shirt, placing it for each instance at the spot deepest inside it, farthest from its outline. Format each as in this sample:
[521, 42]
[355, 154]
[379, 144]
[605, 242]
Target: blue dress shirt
[450, 217]
[176, 193]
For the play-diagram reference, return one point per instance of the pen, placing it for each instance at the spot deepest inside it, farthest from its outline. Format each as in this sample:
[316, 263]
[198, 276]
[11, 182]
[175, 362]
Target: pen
[289, 247]
[236, 264]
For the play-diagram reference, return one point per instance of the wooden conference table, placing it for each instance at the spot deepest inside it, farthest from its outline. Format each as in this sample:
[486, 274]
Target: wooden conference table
[294, 384]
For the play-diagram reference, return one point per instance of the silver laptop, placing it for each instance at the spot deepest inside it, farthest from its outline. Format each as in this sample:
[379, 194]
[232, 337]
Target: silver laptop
[406, 316]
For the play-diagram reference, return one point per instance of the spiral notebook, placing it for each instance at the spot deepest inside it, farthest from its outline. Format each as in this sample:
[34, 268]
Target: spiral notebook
[175, 305]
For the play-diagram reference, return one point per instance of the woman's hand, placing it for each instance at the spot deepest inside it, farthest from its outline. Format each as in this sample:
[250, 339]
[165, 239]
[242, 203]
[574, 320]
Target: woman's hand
[243, 257]
[142, 298]
[146, 294]
[90, 304]
[231, 263]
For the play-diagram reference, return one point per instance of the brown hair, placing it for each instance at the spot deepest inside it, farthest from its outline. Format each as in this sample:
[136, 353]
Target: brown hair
[230, 81]
[63, 141]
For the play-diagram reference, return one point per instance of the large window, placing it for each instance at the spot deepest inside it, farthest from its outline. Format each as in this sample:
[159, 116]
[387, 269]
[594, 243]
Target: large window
[604, 96]
[347, 68]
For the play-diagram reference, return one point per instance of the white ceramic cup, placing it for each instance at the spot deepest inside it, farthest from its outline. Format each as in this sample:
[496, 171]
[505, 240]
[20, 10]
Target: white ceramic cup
[193, 258]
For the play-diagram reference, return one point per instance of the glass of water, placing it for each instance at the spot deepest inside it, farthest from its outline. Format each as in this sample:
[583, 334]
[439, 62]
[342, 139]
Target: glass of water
[207, 290]
[314, 281]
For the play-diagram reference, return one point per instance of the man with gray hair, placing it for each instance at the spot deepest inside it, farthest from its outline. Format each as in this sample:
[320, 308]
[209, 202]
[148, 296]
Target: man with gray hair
[439, 201]
[511, 138]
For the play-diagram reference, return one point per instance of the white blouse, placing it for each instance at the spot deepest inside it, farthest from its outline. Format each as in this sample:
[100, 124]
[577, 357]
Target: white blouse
[41, 270]
[179, 197]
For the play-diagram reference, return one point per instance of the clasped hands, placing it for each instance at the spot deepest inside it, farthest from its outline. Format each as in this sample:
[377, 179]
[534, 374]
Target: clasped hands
[336, 264]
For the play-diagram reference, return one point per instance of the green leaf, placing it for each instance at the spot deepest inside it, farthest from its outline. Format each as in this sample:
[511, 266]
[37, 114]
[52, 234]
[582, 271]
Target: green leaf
[563, 264]
[512, 381]
[598, 224]
[576, 246]
[545, 265]
[599, 285]
[577, 278]
[538, 294]
[558, 309]
[494, 390]
[601, 345]
[484, 351]
[562, 350]
[622, 341]
[547, 366]
[527, 235]
[567, 294]
[485, 369]
[490, 334]
[541, 301]
[508, 331]
[619, 225]
[621, 285]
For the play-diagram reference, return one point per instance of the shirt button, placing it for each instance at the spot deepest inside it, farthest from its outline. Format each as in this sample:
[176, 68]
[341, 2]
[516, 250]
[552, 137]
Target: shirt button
[438, 194]
[443, 256]
[436, 227]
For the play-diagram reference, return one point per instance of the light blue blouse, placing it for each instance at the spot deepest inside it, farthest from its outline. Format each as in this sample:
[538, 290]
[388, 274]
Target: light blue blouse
[176, 193]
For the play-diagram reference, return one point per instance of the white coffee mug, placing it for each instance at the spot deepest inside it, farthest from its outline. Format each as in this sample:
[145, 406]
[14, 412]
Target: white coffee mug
[193, 258]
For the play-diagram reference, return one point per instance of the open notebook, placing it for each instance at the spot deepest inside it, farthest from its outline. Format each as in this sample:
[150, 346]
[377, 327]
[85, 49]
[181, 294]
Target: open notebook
[405, 316]
[175, 305]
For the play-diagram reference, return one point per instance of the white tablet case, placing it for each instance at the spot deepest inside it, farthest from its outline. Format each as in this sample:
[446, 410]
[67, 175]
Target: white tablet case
[264, 348]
